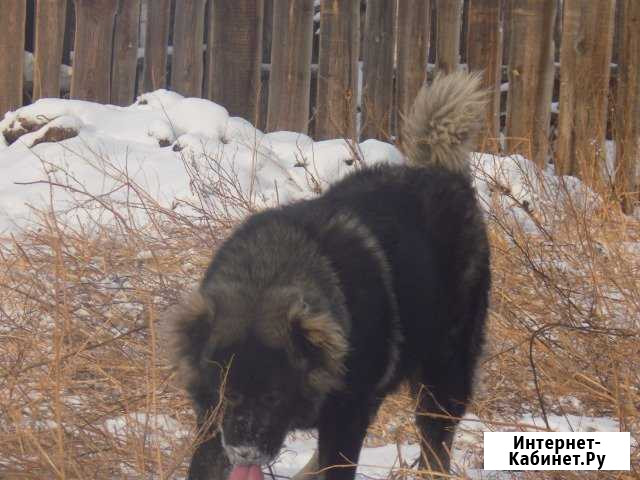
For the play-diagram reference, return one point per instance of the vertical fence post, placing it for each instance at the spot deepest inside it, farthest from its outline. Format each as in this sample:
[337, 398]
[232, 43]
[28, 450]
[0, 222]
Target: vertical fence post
[188, 38]
[49, 37]
[125, 52]
[530, 78]
[235, 53]
[484, 53]
[91, 79]
[338, 69]
[627, 128]
[414, 33]
[290, 79]
[12, 24]
[506, 30]
[449, 23]
[585, 57]
[377, 69]
[155, 45]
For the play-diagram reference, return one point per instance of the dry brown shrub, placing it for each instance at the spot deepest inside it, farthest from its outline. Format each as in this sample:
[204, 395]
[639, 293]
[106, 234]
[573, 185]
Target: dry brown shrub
[85, 392]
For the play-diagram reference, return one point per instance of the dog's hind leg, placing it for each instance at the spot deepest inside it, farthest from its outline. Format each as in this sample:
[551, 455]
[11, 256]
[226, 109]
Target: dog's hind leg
[440, 401]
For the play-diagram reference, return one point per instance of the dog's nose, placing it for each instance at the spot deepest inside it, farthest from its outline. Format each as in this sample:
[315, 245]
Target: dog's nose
[243, 454]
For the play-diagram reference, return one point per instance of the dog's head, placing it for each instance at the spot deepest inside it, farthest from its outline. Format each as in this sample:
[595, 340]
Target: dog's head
[271, 357]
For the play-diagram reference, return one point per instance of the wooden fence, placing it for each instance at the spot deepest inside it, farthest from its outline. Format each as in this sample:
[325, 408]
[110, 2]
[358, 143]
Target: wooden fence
[350, 68]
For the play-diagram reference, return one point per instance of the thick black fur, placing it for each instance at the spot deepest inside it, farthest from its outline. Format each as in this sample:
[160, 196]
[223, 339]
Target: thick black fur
[392, 264]
[427, 222]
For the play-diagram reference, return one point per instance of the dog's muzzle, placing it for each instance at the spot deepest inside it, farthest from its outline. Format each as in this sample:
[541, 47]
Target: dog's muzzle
[243, 455]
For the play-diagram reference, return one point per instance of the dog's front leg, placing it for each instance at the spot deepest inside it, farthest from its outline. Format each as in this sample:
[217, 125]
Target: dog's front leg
[209, 461]
[341, 431]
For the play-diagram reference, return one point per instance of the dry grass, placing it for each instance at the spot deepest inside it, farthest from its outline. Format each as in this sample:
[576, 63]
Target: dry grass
[84, 392]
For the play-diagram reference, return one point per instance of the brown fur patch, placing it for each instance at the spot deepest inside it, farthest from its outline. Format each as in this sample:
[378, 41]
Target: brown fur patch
[175, 327]
[349, 224]
[325, 333]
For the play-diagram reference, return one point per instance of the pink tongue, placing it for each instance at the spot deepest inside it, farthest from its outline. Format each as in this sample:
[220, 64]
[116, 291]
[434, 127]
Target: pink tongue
[246, 472]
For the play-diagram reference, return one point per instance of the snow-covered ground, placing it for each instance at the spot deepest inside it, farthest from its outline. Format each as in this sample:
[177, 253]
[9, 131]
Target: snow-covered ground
[467, 453]
[376, 462]
[164, 143]
[176, 149]
[159, 143]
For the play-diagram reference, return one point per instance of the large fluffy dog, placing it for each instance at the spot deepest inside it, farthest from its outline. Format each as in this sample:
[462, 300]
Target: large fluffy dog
[314, 311]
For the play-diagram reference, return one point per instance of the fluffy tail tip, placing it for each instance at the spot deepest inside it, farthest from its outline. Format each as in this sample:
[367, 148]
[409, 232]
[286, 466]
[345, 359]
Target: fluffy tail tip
[444, 122]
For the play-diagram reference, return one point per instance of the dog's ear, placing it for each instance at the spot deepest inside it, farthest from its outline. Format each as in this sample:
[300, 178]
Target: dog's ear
[321, 343]
[185, 331]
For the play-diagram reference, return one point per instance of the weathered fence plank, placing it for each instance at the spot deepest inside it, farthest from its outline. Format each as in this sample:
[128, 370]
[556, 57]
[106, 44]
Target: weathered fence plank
[338, 69]
[188, 38]
[506, 30]
[125, 52]
[12, 25]
[414, 33]
[530, 78]
[235, 51]
[484, 53]
[449, 23]
[156, 42]
[91, 78]
[584, 86]
[49, 38]
[627, 128]
[377, 69]
[290, 79]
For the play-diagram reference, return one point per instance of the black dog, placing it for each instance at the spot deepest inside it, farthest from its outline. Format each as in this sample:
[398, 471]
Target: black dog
[322, 307]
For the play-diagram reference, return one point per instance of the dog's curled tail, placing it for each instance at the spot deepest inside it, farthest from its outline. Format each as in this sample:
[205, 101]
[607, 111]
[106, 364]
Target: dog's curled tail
[444, 122]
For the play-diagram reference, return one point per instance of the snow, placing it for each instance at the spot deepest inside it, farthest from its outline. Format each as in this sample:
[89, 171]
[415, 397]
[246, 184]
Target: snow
[27, 72]
[123, 425]
[163, 140]
[376, 462]
[159, 142]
